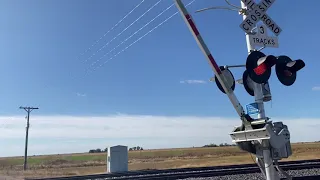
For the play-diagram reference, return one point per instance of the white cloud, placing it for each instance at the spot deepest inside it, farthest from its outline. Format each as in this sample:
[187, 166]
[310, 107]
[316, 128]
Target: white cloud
[316, 88]
[81, 95]
[60, 134]
[193, 82]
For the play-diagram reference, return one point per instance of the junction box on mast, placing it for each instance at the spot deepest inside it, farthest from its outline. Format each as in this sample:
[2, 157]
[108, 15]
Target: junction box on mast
[277, 133]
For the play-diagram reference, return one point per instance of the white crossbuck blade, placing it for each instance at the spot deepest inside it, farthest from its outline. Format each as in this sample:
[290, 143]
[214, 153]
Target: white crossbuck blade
[258, 12]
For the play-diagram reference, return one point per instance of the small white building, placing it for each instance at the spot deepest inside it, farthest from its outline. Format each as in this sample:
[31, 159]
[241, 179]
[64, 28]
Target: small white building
[117, 159]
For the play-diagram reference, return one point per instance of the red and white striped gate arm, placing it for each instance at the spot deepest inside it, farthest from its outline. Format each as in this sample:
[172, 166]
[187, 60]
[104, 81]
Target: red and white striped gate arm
[192, 27]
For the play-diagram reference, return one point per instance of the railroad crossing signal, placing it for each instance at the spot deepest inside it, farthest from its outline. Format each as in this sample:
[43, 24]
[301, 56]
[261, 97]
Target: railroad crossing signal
[259, 65]
[286, 69]
[247, 83]
[258, 69]
[229, 77]
[258, 12]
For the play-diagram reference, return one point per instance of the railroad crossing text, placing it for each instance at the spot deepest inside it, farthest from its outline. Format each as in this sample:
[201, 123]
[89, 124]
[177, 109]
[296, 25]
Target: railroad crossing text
[250, 22]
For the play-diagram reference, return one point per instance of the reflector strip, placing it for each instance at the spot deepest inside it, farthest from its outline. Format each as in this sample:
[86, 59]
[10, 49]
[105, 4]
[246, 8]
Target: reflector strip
[194, 28]
[196, 32]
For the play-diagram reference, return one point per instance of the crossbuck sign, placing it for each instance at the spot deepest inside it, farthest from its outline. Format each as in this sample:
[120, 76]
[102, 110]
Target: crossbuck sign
[258, 12]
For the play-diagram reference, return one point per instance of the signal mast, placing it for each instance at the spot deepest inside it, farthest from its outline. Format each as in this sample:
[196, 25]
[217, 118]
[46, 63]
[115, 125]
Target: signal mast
[268, 141]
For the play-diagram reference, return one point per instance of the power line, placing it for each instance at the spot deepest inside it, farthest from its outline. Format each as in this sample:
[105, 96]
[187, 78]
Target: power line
[28, 110]
[112, 28]
[134, 33]
[123, 30]
[140, 37]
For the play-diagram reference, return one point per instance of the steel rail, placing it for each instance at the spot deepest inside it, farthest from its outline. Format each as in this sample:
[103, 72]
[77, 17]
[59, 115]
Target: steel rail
[221, 172]
[304, 164]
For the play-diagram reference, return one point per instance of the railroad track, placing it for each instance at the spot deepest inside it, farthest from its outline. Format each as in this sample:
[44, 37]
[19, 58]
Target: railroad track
[172, 174]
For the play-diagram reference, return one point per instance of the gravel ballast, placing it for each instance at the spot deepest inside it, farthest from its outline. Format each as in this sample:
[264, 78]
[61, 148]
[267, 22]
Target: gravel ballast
[259, 176]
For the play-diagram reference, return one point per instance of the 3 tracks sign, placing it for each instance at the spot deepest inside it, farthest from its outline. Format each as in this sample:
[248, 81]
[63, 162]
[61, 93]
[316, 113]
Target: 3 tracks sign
[262, 39]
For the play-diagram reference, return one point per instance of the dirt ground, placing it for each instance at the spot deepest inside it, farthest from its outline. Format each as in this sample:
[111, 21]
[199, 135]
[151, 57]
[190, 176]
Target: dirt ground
[82, 164]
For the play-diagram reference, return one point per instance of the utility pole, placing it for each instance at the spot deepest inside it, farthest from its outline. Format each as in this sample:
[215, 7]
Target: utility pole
[28, 110]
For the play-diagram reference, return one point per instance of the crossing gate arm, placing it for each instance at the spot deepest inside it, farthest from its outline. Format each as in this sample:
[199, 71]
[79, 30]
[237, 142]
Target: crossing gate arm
[192, 27]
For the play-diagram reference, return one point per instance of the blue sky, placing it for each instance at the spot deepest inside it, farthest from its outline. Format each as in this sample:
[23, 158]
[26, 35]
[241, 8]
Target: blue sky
[41, 43]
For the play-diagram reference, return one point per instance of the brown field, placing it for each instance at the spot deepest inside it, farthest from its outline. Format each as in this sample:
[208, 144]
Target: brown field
[81, 164]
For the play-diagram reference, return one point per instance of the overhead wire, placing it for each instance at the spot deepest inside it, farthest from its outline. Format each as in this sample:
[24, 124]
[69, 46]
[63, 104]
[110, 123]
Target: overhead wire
[140, 38]
[112, 27]
[133, 34]
[123, 30]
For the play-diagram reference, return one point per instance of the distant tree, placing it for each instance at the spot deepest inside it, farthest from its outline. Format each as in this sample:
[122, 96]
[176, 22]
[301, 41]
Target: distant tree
[92, 151]
[98, 150]
[136, 148]
[106, 150]
[210, 145]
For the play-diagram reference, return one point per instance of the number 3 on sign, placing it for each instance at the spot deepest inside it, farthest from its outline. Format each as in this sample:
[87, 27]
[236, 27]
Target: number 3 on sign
[261, 30]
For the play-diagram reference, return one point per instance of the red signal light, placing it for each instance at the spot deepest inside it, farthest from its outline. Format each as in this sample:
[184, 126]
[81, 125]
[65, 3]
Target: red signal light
[286, 69]
[260, 69]
[259, 66]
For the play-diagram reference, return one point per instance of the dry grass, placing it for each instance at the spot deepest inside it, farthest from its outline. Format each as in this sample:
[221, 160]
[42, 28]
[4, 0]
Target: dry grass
[80, 164]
